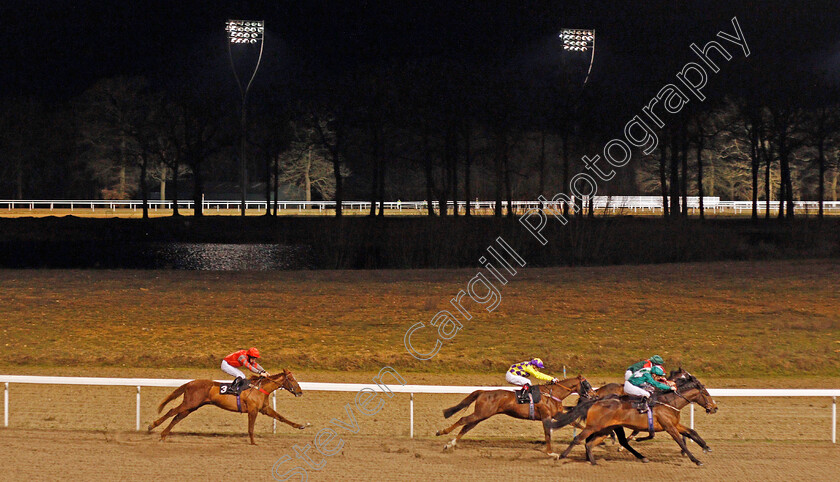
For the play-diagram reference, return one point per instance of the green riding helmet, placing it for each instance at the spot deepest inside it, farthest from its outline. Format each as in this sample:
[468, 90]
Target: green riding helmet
[657, 370]
[657, 360]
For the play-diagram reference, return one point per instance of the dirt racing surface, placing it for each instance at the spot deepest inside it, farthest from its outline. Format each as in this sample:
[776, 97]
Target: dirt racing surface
[55, 433]
[48, 455]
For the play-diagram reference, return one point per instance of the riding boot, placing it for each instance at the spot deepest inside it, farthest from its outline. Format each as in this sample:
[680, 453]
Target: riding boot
[641, 404]
[523, 397]
[239, 384]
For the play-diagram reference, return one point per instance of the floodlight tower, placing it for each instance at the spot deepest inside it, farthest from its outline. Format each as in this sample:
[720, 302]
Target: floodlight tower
[244, 34]
[580, 40]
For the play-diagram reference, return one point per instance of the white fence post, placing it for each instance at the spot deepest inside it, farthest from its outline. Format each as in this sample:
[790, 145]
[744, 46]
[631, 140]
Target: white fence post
[411, 416]
[833, 419]
[138, 408]
[274, 406]
[6, 405]
[692, 416]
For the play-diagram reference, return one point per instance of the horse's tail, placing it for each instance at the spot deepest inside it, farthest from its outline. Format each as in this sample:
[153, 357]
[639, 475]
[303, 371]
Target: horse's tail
[172, 396]
[577, 413]
[464, 403]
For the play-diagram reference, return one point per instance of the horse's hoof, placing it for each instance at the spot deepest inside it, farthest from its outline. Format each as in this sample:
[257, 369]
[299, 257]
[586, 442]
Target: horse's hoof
[698, 463]
[645, 460]
[554, 456]
[304, 426]
[620, 448]
[438, 434]
[707, 450]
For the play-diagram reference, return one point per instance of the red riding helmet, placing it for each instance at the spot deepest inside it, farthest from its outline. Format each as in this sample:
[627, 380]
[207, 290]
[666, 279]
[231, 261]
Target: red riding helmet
[253, 352]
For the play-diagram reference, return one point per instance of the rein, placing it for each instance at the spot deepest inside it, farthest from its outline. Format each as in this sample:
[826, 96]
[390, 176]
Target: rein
[260, 382]
[677, 393]
[570, 390]
[669, 406]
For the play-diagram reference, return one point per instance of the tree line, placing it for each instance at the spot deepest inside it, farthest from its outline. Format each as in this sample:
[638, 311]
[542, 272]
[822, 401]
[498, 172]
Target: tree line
[424, 129]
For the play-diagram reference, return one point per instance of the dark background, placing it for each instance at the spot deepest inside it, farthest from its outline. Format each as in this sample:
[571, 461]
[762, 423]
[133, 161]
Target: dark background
[56, 49]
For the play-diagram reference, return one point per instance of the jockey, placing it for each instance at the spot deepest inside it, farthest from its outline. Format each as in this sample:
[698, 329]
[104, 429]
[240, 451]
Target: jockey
[642, 383]
[246, 358]
[646, 365]
[518, 374]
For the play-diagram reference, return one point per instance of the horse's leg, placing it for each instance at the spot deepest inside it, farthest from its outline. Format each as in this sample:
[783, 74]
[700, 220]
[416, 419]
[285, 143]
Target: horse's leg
[252, 417]
[461, 421]
[467, 428]
[266, 410]
[693, 435]
[586, 432]
[677, 436]
[547, 429]
[159, 421]
[622, 439]
[181, 415]
[469, 422]
[591, 442]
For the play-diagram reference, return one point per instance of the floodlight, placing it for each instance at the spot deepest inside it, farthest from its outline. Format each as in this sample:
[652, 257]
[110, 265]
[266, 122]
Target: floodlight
[246, 33]
[579, 40]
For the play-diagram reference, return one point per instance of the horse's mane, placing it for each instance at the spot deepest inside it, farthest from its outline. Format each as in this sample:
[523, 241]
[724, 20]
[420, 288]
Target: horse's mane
[687, 382]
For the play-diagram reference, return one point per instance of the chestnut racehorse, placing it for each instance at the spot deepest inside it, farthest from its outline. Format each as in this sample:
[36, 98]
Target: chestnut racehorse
[609, 415]
[493, 402]
[198, 393]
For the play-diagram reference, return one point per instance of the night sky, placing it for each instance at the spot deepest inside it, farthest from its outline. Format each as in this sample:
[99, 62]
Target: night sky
[56, 49]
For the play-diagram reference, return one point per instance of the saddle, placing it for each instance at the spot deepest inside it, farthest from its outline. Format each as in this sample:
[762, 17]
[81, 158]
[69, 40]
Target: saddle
[532, 395]
[235, 387]
[639, 403]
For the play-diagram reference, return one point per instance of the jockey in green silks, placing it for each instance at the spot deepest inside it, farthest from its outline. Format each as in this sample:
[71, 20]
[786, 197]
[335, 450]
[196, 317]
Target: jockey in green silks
[642, 383]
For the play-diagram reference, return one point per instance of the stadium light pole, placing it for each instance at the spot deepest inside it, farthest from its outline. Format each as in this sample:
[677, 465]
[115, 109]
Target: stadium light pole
[244, 34]
[580, 40]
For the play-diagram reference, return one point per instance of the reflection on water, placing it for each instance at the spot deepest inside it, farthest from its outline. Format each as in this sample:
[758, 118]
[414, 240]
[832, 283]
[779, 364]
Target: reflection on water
[228, 257]
[187, 256]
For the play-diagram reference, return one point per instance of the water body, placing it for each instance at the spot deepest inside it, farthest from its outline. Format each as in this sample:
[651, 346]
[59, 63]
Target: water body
[178, 256]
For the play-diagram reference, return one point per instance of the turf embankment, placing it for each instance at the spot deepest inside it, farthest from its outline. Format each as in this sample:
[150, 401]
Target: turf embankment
[742, 319]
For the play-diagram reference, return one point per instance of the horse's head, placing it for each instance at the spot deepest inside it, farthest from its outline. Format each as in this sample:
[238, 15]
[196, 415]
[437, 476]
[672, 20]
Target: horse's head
[286, 381]
[678, 374]
[585, 388]
[690, 387]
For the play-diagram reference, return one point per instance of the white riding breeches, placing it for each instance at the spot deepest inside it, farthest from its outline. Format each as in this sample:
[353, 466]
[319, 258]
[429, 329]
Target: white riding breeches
[231, 370]
[631, 389]
[514, 379]
[627, 375]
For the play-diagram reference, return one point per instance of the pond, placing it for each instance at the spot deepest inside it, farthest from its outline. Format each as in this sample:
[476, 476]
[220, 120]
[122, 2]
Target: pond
[156, 255]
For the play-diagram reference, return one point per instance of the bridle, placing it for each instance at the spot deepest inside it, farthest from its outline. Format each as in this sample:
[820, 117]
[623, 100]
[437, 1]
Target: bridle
[282, 386]
[570, 390]
[690, 378]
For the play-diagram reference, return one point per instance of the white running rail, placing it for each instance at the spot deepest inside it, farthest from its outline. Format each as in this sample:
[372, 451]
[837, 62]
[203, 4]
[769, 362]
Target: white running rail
[606, 204]
[411, 389]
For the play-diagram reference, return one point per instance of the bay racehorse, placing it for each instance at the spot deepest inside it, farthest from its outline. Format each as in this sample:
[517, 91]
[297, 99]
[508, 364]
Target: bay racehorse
[254, 400]
[610, 415]
[493, 402]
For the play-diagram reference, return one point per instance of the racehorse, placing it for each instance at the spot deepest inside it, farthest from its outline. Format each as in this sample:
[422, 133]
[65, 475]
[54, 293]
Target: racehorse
[198, 393]
[493, 402]
[617, 389]
[610, 415]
